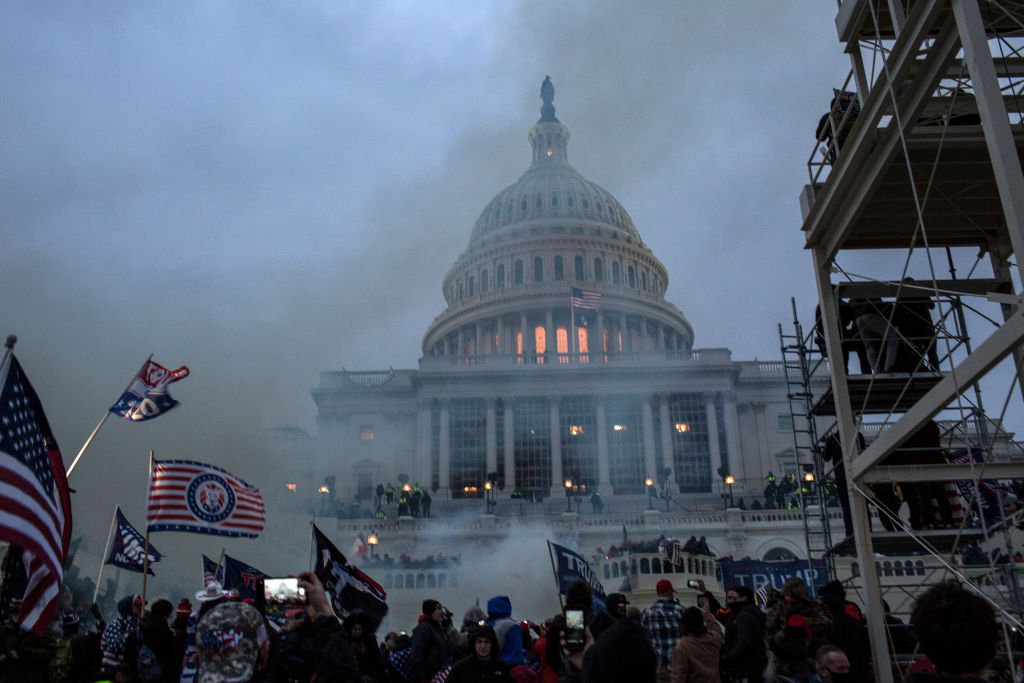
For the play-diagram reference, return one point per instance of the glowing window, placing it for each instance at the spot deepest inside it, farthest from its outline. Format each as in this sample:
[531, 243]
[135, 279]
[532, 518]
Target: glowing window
[519, 343]
[581, 342]
[619, 428]
[575, 430]
[562, 340]
[682, 427]
[366, 433]
[539, 337]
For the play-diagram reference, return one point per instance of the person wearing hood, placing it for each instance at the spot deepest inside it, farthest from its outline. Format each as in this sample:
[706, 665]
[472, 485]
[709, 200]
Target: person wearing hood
[506, 629]
[118, 638]
[695, 656]
[483, 662]
[743, 655]
[849, 632]
[160, 639]
[359, 629]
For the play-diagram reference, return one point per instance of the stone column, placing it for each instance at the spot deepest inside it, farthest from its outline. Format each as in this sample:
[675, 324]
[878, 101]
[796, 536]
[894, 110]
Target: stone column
[444, 345]
[627, 343]
[550, 339]
[421, 469]
[597, 342]
[522, 332]
[711, 416]
[732, 430]
[659, 343]
[666, 433]
[650, 458]
[604, 470]
[557, 477]
[478, 348]
[501, 346]
[462, 344]
[444, 462]
[492, 436]
[510, 446]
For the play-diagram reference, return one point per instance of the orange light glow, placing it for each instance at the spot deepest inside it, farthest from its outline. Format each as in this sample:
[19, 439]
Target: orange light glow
[290, 487]
[563, 340]
[729, 480]
[619, 428]
[540, 339]
[323, 489]
[682, 427]
[583, 342]
[575, 430]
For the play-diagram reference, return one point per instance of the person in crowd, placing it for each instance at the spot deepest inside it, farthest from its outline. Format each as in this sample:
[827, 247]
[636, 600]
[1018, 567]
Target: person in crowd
[663, 621]
[695, 657]
[160, 639]
[482, 663]
[796, 599]
[232, 644]
[432, 646]
[359, 629]
[831, 665]
[743, 654]
[119, 635]
[623, 652]
[578, 595]
[878, 331]
[957, 631]
[615, 604]
[795, 627]
[849, 633]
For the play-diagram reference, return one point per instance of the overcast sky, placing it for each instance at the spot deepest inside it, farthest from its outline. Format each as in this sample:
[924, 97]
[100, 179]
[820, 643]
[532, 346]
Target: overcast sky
[267, 190]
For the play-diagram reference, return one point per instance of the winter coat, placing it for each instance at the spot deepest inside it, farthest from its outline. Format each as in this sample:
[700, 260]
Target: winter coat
[743, 652]
[160, 639]
[471, 669]
[431, 649]
[509, 632]
[695, 658]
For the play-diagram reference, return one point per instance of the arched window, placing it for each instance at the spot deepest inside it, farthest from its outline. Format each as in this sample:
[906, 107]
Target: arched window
[570, 201]
[607, 572]
[598, 270]
[501, 276]
[518, 272]
[559, 271]
[523, 205]
[410, 580]
[643, 280]
[616, 275]
[431, 581]
[778, 555]
[655, 566]
[460, 291]
[632, 277]
[442, 580]
[645, 566]
[554, 201]
[538, 269]
[689, 565]
[579, 267]
[615, 570]
[539, 202]
[667, 567]
[399, 581]
[471, 285]
[483, 282]
[388, 581]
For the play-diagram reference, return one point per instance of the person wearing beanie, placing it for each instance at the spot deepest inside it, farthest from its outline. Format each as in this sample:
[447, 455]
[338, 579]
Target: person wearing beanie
[432, 646]
[483, 662]
[743, 654]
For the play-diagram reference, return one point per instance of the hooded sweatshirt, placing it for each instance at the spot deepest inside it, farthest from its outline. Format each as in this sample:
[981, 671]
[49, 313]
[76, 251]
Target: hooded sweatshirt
[117, 634]
[507, 630]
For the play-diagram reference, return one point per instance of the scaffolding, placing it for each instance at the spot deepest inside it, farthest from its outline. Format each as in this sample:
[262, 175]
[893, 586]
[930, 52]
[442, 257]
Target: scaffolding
[917, 168]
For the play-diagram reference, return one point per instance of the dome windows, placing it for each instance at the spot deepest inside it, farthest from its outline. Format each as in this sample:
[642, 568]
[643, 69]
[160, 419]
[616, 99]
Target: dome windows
[554, 201]
[616, 274]
[598, 206]
[585, 203]
[570, 201]
[598, 270]
[471, 285]
[483, 282]
[643, 280]
[518, 275]
[538, 203]
[500, 277]
[524, 205]
[559, 269]
[632, 277]
[578, 263]
[538, 269]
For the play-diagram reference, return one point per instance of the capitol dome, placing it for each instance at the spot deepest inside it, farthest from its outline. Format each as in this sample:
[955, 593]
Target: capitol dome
[549, 233]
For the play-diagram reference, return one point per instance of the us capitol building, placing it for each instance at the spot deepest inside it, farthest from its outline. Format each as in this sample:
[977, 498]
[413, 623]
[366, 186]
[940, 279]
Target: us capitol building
[551, 402]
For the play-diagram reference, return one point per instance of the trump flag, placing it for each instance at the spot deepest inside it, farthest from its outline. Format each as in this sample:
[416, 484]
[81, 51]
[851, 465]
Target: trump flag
[129, 548]
[146, 397]
[205, 499]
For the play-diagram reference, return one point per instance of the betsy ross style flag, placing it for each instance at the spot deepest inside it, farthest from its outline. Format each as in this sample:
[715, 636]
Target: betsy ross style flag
[129, 548]
[146, 397]
[35, 503]
[586, 299]
[350, 589]
[205, 499]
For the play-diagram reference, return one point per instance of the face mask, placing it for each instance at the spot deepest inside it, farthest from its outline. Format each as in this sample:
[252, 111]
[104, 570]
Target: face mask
[839, 678]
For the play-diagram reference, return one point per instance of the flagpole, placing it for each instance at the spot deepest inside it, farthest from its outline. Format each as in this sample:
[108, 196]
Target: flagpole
[312, 523]
[8, 348]
[220, 560]
[103, 558]
[572, 318]
[554, 572]
[102, 420]
[145, 558]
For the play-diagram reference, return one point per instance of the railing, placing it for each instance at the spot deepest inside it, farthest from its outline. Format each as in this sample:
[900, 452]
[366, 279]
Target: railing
[556, 360]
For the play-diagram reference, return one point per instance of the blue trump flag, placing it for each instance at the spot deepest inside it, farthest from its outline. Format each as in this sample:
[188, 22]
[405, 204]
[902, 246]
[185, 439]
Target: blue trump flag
[570, 566]
[241, 577]
[754, 574]
[129, 548]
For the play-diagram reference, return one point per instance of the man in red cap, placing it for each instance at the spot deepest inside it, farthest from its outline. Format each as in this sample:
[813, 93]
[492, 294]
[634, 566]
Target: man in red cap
[664, 623]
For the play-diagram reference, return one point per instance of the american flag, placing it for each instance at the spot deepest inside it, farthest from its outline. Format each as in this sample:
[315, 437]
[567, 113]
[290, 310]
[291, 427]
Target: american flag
[34, 498]
[762, 595]
[191, 496]
[586, 299]
[209, 567]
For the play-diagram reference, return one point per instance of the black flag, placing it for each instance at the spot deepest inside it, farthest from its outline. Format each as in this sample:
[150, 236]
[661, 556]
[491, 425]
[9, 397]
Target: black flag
[350, 589]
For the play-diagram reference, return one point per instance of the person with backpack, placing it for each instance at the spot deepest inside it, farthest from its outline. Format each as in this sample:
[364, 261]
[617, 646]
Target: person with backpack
[157, 665]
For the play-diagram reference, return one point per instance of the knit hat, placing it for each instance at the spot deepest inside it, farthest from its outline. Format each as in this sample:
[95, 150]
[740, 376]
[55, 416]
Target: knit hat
[229, 639]
[429, 606]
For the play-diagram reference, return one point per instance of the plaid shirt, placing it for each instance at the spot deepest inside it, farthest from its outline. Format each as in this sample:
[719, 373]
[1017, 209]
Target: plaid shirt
[664, 623]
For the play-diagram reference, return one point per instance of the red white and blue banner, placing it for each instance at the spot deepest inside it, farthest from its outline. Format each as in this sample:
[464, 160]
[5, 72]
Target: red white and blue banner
[191, 496]
[129, 548]
[757, 575]
[209, 567]
[570, 567]
[146, 397]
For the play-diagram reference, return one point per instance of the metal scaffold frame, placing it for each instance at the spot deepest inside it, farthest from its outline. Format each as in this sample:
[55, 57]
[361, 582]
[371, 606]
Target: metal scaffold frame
[928, 160]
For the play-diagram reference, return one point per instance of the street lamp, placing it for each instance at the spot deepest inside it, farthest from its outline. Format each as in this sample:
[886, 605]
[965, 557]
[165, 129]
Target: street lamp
[568, 490]
[729, 481]
[650, 493]
[372, 541]
[489, 496]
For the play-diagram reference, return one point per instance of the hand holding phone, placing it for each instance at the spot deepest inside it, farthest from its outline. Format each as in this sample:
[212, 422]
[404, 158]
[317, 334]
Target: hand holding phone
[574, 633]
[283, 591]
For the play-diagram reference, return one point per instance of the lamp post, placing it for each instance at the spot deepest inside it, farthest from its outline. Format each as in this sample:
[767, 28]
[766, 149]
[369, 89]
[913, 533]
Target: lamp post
[729, 481]
[372, 541]
[568, 491]
[650, 493]
[489, 497]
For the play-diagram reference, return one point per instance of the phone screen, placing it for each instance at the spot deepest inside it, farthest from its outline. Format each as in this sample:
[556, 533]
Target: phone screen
[283, 590]
[574, 634]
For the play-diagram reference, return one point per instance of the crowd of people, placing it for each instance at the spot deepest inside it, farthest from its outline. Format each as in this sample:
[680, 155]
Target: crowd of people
[793, 637]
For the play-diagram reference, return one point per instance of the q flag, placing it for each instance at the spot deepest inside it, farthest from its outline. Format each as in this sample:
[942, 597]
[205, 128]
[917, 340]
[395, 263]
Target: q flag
[209, 567]
[146, 397]
[203, 499]
[349, 588]
[572, 567]
[129, 548]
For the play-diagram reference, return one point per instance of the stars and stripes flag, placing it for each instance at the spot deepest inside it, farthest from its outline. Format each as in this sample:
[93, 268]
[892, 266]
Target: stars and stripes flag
[146, 397]
[586, 299]
[205, 499]
[762, 595]
[129, 548]
[34, 498]
[209, 568]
